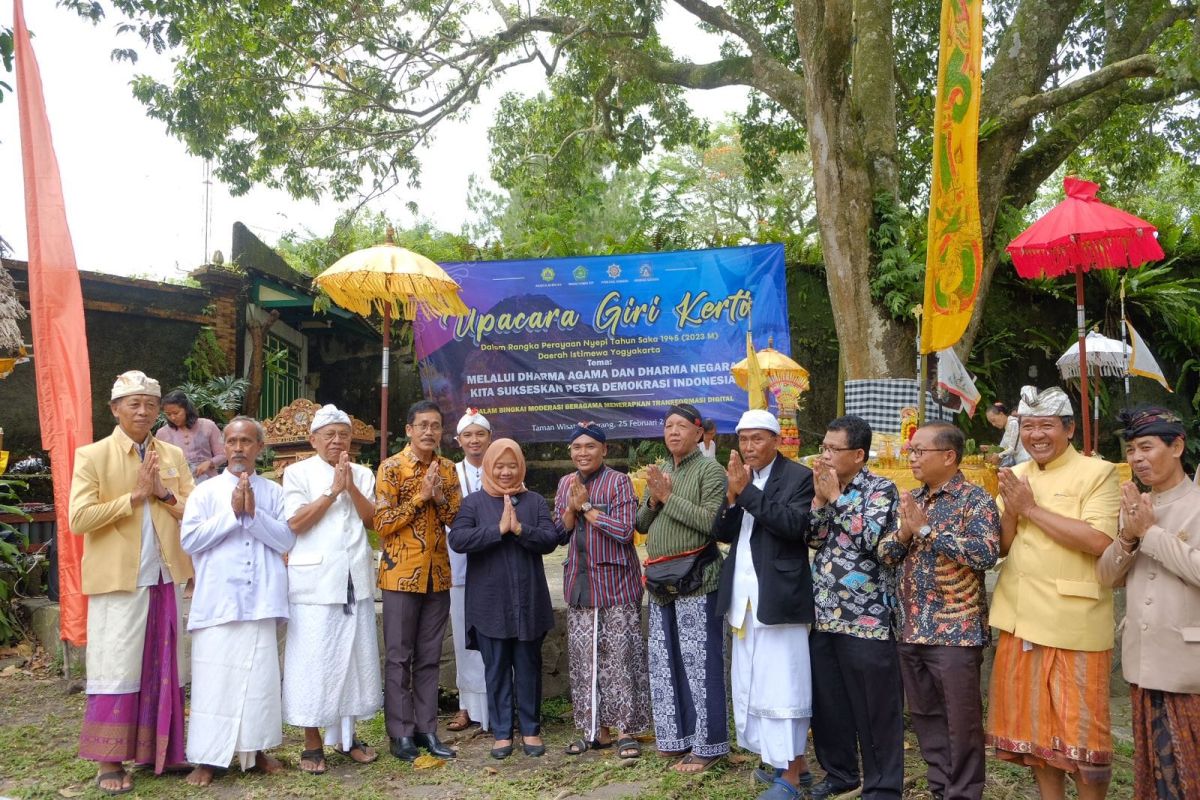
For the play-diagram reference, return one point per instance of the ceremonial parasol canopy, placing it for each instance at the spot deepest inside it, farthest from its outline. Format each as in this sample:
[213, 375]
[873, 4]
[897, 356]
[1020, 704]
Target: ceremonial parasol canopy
[774, 365]
[1077, 235]
[1108, 356]
[385, 276]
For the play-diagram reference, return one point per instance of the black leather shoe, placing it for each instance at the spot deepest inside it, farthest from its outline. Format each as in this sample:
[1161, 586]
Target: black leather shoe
[824, 789]
[501, 753]
[404, 748]
[534, 750]
[433, 744]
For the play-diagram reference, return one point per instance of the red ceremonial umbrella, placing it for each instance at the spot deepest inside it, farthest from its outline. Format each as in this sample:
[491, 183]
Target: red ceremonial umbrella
[1077, 235]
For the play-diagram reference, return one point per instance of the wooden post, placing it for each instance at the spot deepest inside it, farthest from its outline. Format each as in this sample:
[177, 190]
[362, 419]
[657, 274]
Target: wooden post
[383, 381]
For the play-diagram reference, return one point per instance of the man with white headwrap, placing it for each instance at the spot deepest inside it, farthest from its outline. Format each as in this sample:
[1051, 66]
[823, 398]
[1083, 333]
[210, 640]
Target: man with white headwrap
[331, 660]
[1048, 705]
[766, 595]
[127, 496]
[474, 434]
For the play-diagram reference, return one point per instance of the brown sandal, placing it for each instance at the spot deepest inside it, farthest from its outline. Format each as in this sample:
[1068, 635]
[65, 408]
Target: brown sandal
[460, 722]
[693, 760]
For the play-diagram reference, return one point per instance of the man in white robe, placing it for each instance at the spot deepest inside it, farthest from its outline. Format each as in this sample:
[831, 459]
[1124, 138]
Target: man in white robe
[235, 530]
[331, 660]
[474, 434]
[766, 596]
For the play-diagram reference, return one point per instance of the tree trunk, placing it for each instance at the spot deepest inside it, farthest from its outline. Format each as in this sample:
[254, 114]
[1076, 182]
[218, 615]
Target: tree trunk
[257, 325]
[873, 344]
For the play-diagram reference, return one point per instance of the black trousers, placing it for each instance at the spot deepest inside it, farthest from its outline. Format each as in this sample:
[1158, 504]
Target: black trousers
[941, 684]
[858, 705]
[413, 626]
[509, 664]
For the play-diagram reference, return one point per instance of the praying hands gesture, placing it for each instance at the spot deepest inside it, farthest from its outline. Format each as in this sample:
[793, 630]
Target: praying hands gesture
[1016, 493]
[913, 517]
[149, 483]
[659, 484]
[826, 487]
[508, 518]
[341, 475]
[738, 475]
[431, 485]
[243, 496]
[577, 494]
[1137, 512]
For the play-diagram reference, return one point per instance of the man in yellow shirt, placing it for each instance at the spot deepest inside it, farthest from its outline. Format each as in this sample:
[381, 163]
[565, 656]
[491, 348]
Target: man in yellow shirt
[1049, 690]
[127, 496]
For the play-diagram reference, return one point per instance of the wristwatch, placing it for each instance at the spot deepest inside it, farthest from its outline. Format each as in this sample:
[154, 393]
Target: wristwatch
[925, 532]
[586, 507]
[328, 492]
[168, 500]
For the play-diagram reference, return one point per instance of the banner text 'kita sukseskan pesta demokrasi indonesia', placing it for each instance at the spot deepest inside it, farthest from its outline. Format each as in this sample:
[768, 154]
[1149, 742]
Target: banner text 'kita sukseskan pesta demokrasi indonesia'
[611, 339]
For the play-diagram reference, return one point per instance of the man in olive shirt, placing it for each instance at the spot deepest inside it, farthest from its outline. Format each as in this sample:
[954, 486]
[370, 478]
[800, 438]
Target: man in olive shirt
[686, 646]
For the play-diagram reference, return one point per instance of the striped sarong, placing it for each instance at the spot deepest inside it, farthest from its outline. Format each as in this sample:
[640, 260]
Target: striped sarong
[1166, 744]
[1048, 707]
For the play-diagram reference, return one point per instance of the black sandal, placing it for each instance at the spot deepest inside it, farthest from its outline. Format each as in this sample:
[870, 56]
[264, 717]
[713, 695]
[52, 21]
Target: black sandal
[115, 775]
[578, 747]
[316, 755]
[626, 743]
[361, 747]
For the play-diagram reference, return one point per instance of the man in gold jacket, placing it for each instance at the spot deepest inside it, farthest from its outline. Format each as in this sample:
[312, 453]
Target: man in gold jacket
[127, 496]
[1049, 690]
[416, 498]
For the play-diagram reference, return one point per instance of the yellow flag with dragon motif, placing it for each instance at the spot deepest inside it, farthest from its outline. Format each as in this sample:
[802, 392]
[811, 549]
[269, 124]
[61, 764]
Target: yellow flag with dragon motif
[954, 261]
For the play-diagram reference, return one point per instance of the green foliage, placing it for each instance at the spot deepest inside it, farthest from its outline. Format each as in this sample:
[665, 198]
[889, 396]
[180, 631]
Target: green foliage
[14, 563]
[311, 253]
[898, 275]
[646, 452]
[219, 397]
[206, 360]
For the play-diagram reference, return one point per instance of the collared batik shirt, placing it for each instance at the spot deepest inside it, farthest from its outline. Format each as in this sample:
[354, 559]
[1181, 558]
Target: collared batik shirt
[941, 591]
[853, 591]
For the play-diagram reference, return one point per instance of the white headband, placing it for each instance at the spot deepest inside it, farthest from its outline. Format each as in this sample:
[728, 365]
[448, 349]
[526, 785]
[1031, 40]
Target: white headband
[1052, 402]
[328, 414]
[472, 417]
[757, 419]
[134, 382]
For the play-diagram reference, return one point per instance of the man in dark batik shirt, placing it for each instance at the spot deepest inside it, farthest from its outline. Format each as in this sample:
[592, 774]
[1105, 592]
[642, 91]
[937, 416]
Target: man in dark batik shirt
[947, 536]
[857, 697]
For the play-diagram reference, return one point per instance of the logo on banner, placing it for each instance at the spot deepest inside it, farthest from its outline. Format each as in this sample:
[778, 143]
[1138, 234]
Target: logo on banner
[614, 271]
[644, 271]
[580, 273]
[548, 274]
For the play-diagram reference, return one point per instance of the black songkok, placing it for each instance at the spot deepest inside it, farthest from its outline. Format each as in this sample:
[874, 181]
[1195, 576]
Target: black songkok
[1150, 421]
[688, 412]
[588, 429]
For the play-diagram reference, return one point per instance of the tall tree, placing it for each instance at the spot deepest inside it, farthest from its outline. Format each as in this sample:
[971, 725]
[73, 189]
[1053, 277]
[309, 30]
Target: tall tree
[317, 95]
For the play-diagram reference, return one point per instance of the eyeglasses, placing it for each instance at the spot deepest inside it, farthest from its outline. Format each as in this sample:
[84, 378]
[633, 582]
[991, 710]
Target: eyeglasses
[426, 426]
[917, 452]
[828, 448]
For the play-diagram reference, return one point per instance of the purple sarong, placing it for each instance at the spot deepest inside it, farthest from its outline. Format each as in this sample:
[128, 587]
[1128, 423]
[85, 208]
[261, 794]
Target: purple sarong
[146, 726]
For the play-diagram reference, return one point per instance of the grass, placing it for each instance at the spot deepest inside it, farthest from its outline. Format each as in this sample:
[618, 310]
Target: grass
[39, 729]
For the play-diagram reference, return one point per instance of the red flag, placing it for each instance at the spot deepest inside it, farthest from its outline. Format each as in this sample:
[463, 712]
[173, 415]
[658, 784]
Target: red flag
[64, 385]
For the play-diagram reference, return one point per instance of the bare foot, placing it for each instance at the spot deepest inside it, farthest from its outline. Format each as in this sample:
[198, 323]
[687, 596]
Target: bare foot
[362, 753]
[201, 776]
[269, 765]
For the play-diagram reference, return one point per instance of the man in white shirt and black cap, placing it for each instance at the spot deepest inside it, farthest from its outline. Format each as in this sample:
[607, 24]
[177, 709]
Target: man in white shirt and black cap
[331, 661]
[474, 434]
[766, 596]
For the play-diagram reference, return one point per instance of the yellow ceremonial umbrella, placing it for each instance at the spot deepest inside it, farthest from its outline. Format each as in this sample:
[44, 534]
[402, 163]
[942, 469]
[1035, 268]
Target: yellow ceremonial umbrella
[774, 365]
[380, 276]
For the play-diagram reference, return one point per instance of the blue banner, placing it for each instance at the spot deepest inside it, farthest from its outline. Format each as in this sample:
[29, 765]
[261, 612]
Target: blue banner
[612, 339]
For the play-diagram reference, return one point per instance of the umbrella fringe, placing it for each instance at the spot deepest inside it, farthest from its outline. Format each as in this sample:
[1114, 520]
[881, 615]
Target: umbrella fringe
[406, 293]
[1116, 250]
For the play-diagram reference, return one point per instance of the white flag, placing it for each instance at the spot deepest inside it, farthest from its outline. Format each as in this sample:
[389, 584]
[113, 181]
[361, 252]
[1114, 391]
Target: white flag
[1141, 360]
[954, 378]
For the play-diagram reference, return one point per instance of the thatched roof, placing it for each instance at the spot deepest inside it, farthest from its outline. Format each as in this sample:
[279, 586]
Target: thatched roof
[10, 311]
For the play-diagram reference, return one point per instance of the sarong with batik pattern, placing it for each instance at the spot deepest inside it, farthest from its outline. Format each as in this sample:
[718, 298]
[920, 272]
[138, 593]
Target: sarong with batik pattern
[1048, 707]
[607, 657]
[145, 726]
[1166, 744]
[687, 676]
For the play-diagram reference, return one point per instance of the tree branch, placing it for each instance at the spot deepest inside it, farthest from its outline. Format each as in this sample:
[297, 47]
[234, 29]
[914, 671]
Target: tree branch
[1023, 109]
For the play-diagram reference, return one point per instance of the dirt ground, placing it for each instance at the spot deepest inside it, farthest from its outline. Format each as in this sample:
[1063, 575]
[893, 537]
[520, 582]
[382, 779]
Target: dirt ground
[39, 728]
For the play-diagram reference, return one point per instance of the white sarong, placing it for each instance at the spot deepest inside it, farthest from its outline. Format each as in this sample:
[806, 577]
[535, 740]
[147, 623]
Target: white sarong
[772, 690]
[331, 669]
[116, 631]
[468, 664]
[235, 693]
